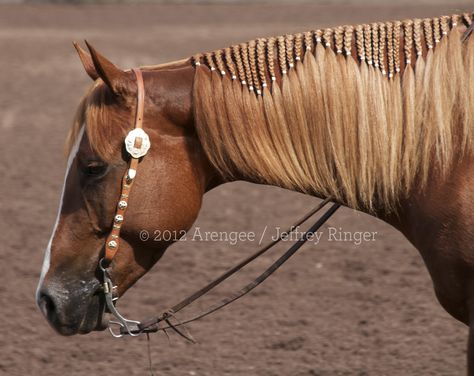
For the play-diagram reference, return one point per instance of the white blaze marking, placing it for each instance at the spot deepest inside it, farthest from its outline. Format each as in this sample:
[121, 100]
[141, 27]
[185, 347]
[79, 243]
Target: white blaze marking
[47, 254]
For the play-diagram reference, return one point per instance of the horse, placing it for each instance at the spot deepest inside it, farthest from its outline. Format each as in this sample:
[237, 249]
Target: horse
[378, 117]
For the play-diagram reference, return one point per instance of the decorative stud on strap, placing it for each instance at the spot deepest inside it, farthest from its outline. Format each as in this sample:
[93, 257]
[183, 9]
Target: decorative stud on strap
[137, 143]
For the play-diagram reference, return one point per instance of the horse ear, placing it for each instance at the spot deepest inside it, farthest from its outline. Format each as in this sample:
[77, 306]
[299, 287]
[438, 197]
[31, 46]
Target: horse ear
[86, 61]
[115, 78]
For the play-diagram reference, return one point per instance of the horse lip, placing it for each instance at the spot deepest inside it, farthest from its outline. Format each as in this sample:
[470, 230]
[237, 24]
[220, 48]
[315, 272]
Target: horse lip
[66, 330]
[95, 318]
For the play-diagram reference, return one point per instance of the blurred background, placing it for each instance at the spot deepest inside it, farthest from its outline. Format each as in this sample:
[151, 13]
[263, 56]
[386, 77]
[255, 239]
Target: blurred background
[334, 309]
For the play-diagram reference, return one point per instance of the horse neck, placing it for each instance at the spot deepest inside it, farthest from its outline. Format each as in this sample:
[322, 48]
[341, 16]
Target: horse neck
[170, 88]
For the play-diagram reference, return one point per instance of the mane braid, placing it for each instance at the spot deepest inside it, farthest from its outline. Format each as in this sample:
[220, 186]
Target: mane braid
[343, 112]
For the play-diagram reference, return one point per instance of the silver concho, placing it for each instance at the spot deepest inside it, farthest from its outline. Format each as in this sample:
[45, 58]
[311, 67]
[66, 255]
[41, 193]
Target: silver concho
[118, 218]
[112, 244]
[122, 204]
[130, 143]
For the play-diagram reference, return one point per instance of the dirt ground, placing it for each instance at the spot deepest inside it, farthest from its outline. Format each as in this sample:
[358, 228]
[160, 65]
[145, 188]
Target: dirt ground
[337, 308]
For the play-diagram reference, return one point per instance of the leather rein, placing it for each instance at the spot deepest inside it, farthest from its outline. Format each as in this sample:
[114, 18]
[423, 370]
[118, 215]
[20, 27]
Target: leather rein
[137, 144]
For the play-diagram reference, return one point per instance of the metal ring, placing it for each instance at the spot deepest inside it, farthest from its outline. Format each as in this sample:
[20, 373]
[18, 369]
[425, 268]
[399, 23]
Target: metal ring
[101, 265]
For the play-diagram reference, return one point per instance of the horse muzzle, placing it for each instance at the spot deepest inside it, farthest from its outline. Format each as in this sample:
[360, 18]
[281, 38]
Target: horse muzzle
[72, 311]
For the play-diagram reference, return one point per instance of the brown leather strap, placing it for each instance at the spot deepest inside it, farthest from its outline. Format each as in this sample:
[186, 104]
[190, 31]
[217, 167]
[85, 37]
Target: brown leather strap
[140, 98]
[113, 240]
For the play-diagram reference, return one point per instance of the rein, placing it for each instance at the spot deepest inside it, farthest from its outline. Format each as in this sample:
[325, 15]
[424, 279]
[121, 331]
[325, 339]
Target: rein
[137, 144]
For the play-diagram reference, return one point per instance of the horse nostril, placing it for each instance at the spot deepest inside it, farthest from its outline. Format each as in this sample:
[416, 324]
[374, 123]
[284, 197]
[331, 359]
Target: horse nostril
[47, 306]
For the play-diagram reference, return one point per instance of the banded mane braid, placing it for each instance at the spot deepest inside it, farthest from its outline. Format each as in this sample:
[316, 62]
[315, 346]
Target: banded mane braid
[363, 114]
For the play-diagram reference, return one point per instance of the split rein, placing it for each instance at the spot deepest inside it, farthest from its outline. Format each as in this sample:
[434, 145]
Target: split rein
[137, 144]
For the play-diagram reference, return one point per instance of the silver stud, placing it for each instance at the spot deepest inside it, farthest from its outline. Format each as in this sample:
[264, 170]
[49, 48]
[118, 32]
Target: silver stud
[118, 218]
[131, 174]
[122, 204]
[112, 244]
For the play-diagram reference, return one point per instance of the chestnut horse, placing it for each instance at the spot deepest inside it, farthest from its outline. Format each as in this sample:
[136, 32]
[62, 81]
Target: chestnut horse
[378, 116]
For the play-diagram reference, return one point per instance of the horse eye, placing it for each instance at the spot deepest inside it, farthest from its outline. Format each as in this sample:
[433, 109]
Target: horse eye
[95, 169]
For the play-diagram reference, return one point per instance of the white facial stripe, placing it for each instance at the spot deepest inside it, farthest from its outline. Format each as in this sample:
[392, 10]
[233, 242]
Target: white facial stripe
[47, 255]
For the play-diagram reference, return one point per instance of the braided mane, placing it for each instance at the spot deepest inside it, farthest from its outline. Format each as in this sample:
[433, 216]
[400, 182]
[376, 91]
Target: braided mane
[363, 114]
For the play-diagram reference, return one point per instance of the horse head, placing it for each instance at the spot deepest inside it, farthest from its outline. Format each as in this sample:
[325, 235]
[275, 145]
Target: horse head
[167, 190]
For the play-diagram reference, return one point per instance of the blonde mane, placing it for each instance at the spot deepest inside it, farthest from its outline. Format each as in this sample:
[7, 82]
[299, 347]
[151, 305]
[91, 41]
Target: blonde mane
[364, 114]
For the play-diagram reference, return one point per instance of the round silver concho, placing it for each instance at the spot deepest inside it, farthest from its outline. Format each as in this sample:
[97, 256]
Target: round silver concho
[122, 204]
[130, 143]
[112, 244]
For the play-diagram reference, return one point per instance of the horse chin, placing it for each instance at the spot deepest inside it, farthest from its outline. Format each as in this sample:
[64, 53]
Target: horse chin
[95, 319]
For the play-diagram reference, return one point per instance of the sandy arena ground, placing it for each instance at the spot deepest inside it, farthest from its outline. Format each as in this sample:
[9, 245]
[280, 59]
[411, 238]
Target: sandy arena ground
[334, 309]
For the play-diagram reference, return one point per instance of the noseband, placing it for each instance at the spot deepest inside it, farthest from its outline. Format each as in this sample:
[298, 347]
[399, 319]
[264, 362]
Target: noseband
[137, 144]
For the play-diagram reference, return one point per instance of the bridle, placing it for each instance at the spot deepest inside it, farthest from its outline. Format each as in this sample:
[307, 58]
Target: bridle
[137, 144]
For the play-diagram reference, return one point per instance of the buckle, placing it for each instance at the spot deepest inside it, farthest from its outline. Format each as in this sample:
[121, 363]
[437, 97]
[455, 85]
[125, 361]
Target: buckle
[137, 143]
